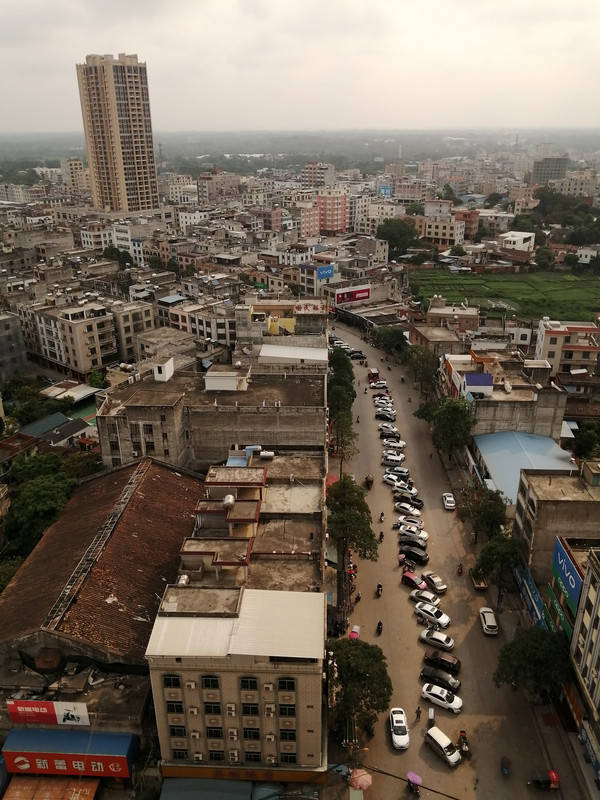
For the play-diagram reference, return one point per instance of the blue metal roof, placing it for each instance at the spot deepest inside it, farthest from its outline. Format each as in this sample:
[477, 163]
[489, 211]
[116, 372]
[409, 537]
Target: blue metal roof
[479, 379]
[506, 453]
[39, 740]
[45, 424]
[172, 298]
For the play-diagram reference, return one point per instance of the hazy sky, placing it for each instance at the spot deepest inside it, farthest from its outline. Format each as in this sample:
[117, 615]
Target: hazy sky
[307, 64]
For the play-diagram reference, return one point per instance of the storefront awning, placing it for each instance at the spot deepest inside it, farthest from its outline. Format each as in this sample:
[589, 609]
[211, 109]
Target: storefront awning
[54, 752]
[195, 789]
[41, 787]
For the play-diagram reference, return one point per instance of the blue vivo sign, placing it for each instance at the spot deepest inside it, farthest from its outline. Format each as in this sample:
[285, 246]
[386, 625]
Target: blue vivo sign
[567, 575]
[325, 272]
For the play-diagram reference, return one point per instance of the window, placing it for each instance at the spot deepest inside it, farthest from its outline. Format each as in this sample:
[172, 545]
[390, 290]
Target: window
[177, 731]
[174, 708]
[171, 681]
[586, 353]
[163, 417]
[212, 708]
[249, 684]
[553, 340]
[114, 447]
[165, 437]
[523, 337]
[551, 353]
[116, 462]
[180, 755]
[287, 710]
[252, 758]
[287, 736]
[165, 452]
[210, 682]
[286, 684]
[216, 755]
[149, 447]
[250, 709]
[251, 733]
[214, 733]
[288, 758]
[147, 430]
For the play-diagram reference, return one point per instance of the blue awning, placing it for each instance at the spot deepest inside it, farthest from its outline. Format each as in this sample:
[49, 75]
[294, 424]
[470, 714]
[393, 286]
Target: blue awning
[40, 740]
[193, 788]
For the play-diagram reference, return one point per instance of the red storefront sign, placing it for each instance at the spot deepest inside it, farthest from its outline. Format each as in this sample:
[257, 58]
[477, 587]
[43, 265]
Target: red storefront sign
[66, 764]
[47, 712]
[353, 295]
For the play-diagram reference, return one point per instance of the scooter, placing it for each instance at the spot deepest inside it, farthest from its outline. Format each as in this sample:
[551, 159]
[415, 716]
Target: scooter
[379, 628]
[380, 537]
[505, 766]
[459, 569]
[381, 516]
[379, 591]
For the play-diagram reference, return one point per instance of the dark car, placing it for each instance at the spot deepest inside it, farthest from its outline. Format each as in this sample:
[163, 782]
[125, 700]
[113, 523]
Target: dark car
[411, 541]
[440, 678]
[404, 497]
[414, 553]
[445, 661]
[412, 580]
[354, 354]
[390, 436]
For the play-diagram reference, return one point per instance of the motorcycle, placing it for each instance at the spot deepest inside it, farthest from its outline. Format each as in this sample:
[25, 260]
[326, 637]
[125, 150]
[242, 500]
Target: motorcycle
[379, 591]
[379, 628]
[459, 569]
[463, 745]
[381, 516]
[505, 766]
[380, 537]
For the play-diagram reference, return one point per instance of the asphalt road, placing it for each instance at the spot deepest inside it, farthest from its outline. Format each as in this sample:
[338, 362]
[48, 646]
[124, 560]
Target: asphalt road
[498, 721]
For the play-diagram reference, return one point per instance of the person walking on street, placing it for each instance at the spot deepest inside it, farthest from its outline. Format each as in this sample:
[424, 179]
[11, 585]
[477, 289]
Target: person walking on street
[418, 713]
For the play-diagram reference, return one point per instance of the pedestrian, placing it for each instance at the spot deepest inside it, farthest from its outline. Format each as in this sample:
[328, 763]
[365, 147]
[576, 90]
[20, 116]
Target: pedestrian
[430, 455]
[418, 713]
[475, 537]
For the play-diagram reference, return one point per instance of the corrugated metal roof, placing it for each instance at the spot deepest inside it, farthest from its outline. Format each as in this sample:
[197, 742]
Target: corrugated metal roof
[290, 352]
[45, 424]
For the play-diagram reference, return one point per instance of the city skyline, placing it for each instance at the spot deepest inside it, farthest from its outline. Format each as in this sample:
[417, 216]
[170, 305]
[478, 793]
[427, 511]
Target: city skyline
[307, 66]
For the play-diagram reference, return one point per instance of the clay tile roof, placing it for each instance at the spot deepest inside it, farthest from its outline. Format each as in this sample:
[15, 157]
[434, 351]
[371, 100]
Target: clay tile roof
[114, 607]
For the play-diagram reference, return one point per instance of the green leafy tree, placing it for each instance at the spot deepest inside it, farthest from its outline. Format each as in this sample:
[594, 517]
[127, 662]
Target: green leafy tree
[457, 250]
[96, 379]
[37, 505]
[349, 525]
[536, 659]
[492, 200]
[544, 257]
[497, 559]
[586, 441]
[81, 465]
[489, 511]
[452, 424]
[341, 366]
[173, 265]
[344, 437]
[399, 233]
[359, 682]
[424, 364]
[571, 260]
[111, 252]
[415, 208]
[8, 568]
[448, 193]
[25, 468]
[426, 411]
[390, 338]
[154, 262]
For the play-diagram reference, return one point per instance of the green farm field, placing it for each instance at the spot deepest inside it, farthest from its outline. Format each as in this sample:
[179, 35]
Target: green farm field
[557, 295]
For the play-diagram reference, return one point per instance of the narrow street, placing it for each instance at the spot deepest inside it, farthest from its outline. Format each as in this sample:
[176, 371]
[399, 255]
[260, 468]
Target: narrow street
[499, 722]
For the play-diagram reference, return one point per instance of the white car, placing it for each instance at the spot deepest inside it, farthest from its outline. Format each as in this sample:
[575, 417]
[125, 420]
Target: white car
[437, 639]
[394, 444]
[406, 508]
[399, 729]
[448, 501]
[404, 486]
[489, 623]
[442, 697]
[396, 454]
[404, 520]
[432, 613]
[379, 385]
[390, 479]
[387, 426]
[423, 596]
[415, 533]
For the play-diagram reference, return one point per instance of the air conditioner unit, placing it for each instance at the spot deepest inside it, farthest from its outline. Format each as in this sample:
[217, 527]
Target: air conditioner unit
[268, 687]
[231, 709]
[233, 734]
[190, 684]
[195, 734]
[198, 756]
[270, 707]
[193, 711]
[271, 759]
[234, 755]
[135, 453]
[270, 737]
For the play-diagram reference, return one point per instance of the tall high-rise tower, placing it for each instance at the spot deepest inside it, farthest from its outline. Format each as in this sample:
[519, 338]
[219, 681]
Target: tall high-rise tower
[118, 132]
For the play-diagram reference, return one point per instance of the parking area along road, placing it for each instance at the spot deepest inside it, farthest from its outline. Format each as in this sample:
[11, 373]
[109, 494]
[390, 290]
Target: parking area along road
[499, 722]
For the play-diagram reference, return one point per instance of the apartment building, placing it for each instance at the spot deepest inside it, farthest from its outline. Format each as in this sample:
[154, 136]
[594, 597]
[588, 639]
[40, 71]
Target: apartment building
[305, 214]
[115, 105]
[585, 642]
[13, 355]
[413, 190]
[312, 278]
[568, 346]
[576, 184]
[96, 236]
[367, 220]
[459, 317]
[443, 230]
[74, 174]
[317, 174]
[517, 240]
[471, 219]
[496, 221]
[549, 168]
[75, 339]
[183, 194]
[131, 319]
[331, 203]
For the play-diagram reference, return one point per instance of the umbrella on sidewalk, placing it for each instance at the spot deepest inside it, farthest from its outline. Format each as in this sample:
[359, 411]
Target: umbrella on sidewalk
[360, 779]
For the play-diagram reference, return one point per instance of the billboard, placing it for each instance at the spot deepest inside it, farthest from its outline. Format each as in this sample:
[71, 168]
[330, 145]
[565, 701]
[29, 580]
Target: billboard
[354, 294]
[385, 191]
[46, 712]
[66, 764]
[325, 272]
[567, 575]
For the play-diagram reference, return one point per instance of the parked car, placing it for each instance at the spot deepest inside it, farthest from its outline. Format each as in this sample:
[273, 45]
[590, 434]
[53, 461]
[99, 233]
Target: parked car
[379, 385]
[391, 437]
[414, 553]
[396, 453]
[442, 697]
[412, 533]
[404, 486]
[440, 677]
[390, 479]
[394, 444]
[413, 580]
[448, 501]
[383, 401]
[437, 639]
[380, 394]
[432, 613]
[392, 460]
[404, 520]
[445, 661]
[433, 580]
[401, 472]
[387, 426]
[406, 508]
[405, 497]
[354, 354]
[384, 414]
[489, 623]
[423, 596]
[412, 541]
[399, 729]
